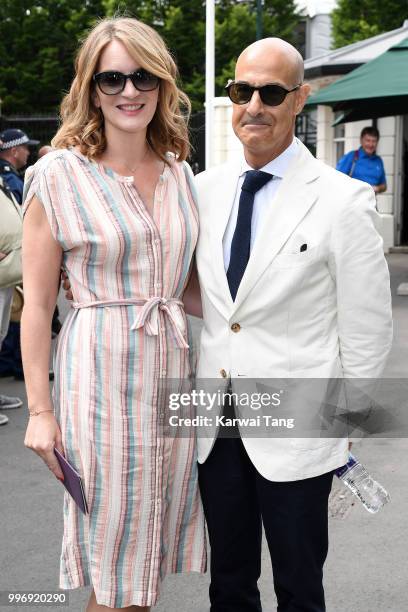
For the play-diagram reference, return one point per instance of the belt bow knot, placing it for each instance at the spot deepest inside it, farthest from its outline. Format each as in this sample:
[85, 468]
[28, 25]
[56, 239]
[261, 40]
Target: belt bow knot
[148, 316]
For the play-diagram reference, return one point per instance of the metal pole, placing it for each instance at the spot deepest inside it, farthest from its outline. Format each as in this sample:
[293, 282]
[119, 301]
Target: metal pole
[209, 78]
[259, 4]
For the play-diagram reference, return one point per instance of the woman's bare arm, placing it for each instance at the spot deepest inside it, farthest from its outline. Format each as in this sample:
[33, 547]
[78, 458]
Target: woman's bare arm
[41, 273]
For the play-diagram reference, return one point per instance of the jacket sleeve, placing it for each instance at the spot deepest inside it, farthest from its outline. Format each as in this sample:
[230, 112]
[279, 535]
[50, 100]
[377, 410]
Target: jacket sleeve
[360, 271]
[15, 184]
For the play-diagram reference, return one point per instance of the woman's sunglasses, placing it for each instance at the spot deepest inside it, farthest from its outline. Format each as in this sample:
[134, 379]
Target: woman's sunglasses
[271, 95]
[113, 82]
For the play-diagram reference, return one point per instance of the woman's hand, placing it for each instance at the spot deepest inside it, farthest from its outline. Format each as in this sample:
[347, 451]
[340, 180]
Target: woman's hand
[42, 435]
[3, 255]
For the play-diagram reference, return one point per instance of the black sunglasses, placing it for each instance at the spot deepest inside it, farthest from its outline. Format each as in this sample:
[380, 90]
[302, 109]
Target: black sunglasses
[270, 94]
[113, 82]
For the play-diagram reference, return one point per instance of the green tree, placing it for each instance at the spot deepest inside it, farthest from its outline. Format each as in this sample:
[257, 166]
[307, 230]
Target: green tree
[38, 40]
[149, 11]
[184, 31]
[236, 29]
[182, 25]
[353, 21]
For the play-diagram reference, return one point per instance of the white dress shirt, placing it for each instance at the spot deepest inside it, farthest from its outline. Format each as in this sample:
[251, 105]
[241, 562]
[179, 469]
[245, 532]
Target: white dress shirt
[263, 198]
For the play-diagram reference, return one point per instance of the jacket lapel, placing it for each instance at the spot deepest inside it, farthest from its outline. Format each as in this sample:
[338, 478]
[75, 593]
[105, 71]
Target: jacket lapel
[296, 194]
[221, 206]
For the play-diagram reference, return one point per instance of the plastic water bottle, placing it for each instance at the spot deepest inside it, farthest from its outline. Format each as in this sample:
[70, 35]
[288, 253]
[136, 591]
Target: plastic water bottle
[371, 494]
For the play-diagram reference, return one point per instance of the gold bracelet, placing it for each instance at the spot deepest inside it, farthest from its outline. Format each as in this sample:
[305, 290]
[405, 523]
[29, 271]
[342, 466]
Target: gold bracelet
[36, 413]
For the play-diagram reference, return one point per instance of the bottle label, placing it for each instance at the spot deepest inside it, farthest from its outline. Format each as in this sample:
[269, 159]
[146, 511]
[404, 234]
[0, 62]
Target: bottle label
[345, 468]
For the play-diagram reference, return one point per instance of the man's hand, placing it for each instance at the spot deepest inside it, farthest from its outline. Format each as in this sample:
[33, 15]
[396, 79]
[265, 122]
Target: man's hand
[66, 285]
[379, 188]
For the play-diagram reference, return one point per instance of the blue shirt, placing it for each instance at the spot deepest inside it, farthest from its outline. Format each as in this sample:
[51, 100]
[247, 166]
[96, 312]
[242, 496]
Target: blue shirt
[368, 168]
[12, 179]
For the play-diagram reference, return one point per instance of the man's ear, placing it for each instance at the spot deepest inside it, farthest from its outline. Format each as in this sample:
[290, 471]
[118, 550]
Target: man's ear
[302, 95]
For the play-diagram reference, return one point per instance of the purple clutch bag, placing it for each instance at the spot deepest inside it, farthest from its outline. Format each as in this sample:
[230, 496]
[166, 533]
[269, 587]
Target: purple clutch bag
[72, 482]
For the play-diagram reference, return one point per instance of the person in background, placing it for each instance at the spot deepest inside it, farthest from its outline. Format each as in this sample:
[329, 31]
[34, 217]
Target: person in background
[44, 150]
[10, 236]
[364, 163]
[14, 153]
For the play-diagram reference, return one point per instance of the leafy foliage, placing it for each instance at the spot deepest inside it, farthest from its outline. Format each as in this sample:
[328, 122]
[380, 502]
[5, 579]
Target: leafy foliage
[353, 21]
[38, 41]
[39, 38]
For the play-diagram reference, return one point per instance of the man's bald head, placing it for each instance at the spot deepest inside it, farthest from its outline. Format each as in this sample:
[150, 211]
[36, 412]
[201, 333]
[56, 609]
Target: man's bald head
[44, 150]
[274, 51]
[266, 130]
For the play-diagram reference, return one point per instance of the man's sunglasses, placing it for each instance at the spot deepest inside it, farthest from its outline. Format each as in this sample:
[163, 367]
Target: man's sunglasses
[270, 94]
[113, 82]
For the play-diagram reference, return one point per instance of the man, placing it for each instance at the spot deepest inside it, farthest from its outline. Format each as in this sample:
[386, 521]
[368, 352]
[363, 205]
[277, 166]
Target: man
[14, 153]
[294, 284]
[364, 164]
[10, 272]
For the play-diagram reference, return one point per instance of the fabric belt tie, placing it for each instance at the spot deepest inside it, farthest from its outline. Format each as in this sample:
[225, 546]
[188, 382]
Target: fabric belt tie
[148, 316]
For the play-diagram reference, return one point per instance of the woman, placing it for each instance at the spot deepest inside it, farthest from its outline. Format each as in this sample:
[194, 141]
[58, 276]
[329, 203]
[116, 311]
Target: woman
[115, 208]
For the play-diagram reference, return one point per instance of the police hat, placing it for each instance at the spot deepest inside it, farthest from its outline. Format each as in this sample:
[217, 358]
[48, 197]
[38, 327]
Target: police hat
[13, 138]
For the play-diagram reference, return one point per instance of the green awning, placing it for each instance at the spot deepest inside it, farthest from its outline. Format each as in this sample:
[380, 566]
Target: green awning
[379, 88]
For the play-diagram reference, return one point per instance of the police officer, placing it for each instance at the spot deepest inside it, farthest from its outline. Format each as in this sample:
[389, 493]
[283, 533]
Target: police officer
[14, 153]
[10, 228]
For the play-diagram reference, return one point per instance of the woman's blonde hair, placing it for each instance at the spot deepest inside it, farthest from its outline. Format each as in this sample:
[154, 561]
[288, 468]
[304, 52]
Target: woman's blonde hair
[82, 122]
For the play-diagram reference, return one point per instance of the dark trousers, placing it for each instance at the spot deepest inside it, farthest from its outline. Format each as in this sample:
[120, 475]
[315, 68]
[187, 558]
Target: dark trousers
[237, 499]
[10, 354]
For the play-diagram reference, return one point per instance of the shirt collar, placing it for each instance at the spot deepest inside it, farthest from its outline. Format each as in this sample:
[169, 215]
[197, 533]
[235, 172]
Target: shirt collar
[277, 166]
[362, 153]
[4, 162]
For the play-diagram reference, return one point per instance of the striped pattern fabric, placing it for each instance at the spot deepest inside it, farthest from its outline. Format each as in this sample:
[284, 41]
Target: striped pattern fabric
[116, 346]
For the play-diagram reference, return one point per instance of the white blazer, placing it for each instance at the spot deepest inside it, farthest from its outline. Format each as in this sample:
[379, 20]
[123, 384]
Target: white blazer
[323, 312]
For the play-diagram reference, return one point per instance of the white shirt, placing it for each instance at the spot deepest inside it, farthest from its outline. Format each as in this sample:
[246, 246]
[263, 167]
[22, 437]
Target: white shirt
[263, 198]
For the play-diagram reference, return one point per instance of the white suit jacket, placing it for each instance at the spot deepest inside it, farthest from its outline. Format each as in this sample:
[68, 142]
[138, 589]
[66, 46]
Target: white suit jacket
[323, 312]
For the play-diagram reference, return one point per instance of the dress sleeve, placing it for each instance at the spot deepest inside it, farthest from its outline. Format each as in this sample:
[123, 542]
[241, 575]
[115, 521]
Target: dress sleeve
[42, 180]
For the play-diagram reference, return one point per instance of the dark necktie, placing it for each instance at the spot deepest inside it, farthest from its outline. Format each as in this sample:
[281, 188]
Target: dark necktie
[241, 241]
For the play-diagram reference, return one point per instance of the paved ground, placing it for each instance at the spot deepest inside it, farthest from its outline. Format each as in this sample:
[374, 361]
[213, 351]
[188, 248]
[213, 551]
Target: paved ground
[367, 567]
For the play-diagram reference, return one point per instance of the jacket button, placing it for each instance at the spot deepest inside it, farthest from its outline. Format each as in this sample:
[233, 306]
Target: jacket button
[223, 373]
[235, 327]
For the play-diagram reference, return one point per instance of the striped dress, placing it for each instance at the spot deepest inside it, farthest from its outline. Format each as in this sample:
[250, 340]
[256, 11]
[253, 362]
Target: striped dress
[125, 334]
